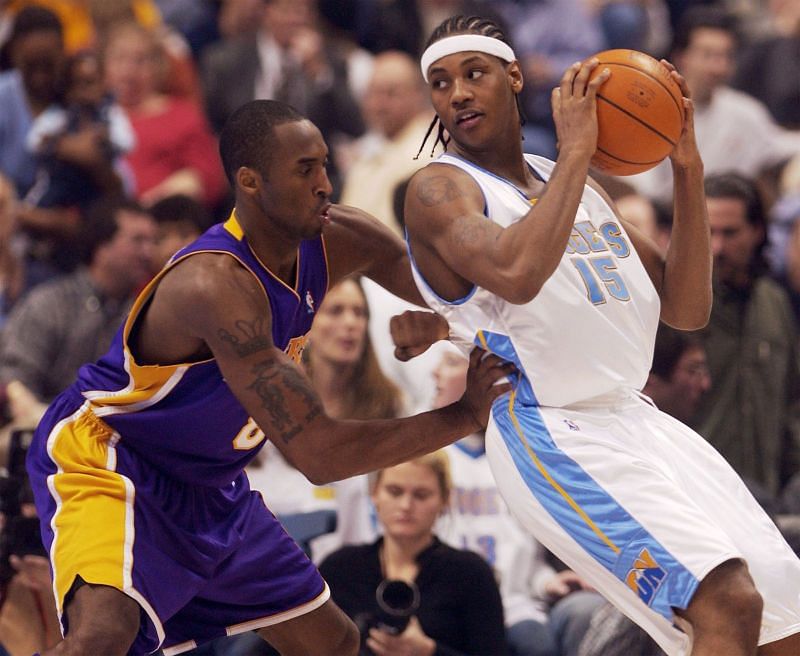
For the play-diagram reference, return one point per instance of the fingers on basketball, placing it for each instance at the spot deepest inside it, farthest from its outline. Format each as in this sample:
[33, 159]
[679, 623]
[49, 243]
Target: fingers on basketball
[640, 112]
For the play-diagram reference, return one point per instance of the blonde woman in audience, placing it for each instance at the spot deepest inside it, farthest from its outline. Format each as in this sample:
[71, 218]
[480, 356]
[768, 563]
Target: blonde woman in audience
[459, 611]
[175, 151]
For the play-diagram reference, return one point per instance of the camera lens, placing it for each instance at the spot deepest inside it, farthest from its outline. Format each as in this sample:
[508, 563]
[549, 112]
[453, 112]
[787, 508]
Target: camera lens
[398, 601]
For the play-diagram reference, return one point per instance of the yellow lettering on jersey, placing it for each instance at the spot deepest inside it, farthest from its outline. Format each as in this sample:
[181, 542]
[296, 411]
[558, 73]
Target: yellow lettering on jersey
[295, 348]
[249, 437]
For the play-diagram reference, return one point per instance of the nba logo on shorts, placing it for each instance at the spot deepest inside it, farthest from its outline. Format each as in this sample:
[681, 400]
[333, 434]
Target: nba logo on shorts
[309, 302]
[645, 577]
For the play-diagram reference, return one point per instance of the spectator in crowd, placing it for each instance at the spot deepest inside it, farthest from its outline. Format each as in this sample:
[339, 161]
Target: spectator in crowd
[195, 20]
[181, 219]
[750, 412]
[79, 140]
[37, 53]
[288, 59]
[612, 634]
[239, 18]
[340, 361]
[764, 66]
[397, 113]
[28, 619]
[86, 21]
[546, 612]
[625, 23]
[36, 50]
[734, 130]
[390, 25]
[460, 610]
[175, 150]
[338, 25]
[62, 324]
[679, 377]
[12, 266]
[79, 17]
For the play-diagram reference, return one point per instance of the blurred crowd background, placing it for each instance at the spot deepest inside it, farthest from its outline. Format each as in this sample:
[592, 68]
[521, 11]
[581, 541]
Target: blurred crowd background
[109, 115]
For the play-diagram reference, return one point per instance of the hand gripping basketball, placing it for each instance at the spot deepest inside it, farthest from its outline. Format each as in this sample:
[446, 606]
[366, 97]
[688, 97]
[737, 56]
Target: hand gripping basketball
[640, 112]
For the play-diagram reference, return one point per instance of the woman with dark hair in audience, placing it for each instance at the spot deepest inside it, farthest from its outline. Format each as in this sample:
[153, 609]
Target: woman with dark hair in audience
[341, 362]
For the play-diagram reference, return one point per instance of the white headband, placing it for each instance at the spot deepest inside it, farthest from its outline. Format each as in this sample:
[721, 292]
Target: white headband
[465, 43]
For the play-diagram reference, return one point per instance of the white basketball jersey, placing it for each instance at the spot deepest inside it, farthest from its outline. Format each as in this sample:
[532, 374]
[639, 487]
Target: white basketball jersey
[591, 328]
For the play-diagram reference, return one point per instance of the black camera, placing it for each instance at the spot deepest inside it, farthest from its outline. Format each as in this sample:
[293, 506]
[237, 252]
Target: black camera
[397, 602]
[20, 534]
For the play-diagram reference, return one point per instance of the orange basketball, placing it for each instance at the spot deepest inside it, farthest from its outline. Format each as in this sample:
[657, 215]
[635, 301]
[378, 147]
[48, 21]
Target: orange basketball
[639, 113]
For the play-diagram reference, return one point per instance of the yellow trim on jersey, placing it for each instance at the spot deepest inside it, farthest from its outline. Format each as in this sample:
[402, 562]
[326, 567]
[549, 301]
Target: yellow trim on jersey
[546, 474]
[93, 523]
[148, 384]
[233, 227]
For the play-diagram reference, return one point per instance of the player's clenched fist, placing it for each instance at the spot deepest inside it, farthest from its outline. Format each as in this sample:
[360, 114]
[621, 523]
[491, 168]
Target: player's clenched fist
[414, 331]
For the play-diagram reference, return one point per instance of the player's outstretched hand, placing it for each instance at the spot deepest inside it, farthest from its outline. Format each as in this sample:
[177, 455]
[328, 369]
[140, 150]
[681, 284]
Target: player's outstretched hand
[485, 370]
[414, 331]
[685, 151]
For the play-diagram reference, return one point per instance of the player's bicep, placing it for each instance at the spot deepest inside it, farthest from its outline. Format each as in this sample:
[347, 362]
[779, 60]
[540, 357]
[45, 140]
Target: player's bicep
[445, 211]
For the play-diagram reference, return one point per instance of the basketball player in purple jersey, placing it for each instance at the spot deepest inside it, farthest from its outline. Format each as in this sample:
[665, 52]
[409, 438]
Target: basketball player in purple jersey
[155, 539]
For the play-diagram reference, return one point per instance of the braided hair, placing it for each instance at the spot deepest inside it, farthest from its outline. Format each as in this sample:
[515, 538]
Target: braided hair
[463, 25]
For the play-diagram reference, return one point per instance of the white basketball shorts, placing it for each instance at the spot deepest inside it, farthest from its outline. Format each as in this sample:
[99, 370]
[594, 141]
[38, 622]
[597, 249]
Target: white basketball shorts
[640, 506]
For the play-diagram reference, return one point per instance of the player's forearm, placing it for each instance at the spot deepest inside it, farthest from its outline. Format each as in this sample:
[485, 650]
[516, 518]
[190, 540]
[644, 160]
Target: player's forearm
[537, 242]
[396, 277]
[686, 295]
[330, 450]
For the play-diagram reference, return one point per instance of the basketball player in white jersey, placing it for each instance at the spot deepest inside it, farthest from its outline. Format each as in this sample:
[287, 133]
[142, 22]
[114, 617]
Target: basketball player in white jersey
[529, 258]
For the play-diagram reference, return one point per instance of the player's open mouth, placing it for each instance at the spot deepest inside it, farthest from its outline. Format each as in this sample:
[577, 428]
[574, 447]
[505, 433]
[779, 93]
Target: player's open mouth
[468, 118]
[323, 213]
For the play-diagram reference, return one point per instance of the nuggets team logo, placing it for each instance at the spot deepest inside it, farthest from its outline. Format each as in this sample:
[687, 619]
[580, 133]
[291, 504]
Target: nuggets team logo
[645, 577]
[309, 303]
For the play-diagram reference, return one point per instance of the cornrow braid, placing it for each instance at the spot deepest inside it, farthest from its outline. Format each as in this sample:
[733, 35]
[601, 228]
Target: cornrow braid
[467, 25]
[463, 25]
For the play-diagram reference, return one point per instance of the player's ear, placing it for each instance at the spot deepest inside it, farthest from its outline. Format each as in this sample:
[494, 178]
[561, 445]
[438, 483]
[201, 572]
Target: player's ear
[247, 179]
[515, 76]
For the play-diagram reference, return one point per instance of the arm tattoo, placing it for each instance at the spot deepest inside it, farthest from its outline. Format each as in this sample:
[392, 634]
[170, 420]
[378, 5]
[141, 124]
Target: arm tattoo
[437, 190]
[266, 386]
[254, 337]
[295, 382]
[468, 233]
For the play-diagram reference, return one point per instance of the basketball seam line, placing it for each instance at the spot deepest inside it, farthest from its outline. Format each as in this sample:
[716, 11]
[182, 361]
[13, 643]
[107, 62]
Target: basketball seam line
[627, 161]
[656, 80]
[637, 119]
